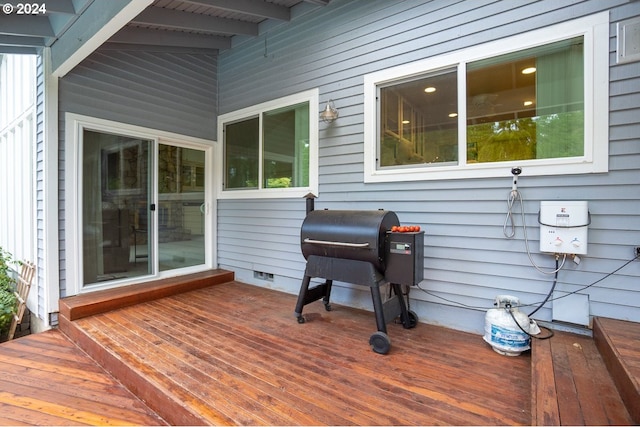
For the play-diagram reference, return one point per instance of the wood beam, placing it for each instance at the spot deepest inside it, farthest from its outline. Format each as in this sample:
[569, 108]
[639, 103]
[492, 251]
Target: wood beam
[61, 6]
[249, 7]
[149, 37]
[157, 49]
[26, 25]
[21, 41]
[176, 19]
[318, 2]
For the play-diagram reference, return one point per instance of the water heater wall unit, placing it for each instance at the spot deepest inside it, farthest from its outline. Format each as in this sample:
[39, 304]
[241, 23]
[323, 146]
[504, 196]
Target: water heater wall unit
[563, 227]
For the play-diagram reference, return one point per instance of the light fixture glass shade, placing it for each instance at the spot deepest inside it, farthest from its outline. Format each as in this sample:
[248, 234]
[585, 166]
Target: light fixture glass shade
[329, 114]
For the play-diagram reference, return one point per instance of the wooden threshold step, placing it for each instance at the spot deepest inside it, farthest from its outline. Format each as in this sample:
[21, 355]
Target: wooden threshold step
[79, 306]
[571, 384]
[617, 341]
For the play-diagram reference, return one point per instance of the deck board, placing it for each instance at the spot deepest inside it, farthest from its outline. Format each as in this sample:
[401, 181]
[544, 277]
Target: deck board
[571, 384]
[235, 354]
[47, 380]
[617, 341]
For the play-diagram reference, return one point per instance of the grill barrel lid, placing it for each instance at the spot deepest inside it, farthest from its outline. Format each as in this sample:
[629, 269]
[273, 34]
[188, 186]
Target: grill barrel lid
[349, 234]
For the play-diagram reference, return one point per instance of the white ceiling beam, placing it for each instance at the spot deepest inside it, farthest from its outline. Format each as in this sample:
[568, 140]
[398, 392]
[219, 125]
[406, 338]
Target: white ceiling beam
[176, 19]
[249, 7]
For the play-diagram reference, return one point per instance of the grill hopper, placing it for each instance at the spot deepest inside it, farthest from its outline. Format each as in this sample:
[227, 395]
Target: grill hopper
[354, 235]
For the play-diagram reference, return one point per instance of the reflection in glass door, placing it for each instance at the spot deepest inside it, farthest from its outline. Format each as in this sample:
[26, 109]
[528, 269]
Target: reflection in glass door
[129, 230]
[115, 203]
[181, 190]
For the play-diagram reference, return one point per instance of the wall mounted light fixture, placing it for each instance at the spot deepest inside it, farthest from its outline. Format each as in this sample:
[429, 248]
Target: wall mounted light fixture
[329, 114]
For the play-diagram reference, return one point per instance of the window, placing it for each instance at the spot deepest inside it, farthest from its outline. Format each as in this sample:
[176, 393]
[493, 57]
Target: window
[528, 100]
[270, 150]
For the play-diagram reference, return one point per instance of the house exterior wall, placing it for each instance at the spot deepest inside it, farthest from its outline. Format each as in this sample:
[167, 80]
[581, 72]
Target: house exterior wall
[164, 91]
[468, 261]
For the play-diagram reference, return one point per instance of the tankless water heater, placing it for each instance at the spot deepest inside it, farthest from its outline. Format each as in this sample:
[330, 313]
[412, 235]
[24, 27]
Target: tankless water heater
[563, 227]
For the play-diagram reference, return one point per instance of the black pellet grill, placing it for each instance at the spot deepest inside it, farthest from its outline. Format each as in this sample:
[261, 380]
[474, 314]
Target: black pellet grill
[358, 247]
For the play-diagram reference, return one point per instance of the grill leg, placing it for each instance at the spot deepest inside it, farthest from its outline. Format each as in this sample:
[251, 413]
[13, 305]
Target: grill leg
[307, 295]
[378, 309]
[404, 313]
[327, 295]
[301, 297]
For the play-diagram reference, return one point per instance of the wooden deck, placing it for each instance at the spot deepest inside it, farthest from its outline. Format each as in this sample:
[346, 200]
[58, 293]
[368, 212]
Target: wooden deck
[619, 344]
[571, 384]
[233, 354]
[48, 380]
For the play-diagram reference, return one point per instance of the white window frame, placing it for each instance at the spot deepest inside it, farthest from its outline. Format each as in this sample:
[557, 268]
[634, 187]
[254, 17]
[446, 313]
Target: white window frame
[594, 29]
[75, 124]
[310, 96]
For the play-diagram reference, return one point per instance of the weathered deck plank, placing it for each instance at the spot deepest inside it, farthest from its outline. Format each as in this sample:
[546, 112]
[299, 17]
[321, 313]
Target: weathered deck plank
[47, 380]
[571, 384]
[617, 341]
[83, 305]
[234, 354]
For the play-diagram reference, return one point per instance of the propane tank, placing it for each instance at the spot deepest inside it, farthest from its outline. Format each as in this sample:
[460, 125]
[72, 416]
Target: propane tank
[502, 333]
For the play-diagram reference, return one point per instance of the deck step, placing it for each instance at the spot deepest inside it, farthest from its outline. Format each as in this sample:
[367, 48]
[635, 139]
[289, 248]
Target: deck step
[79, 306]
[571, 384]
[617, 341]
[140, 383]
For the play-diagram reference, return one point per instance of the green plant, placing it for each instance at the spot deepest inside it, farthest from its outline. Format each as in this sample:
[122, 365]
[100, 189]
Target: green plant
[8, 301]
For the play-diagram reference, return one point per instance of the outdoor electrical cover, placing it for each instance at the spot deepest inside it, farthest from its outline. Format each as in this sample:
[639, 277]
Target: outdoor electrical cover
[563, 227]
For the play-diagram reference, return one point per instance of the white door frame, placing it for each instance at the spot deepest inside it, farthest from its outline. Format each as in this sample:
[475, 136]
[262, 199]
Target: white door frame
[72, 280]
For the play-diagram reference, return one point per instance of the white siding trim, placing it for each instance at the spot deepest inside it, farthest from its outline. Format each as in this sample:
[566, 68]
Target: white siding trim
[106, 31]
[50, 191]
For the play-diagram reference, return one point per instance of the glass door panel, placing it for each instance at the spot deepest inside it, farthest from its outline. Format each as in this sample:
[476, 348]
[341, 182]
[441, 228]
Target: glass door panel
[115, 207]
[181, 191]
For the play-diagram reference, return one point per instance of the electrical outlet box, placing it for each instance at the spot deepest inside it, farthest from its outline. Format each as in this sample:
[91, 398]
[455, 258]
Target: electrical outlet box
[564, 227]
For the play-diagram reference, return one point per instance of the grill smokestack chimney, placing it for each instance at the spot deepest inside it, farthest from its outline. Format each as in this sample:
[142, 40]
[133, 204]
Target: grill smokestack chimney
[310, 202]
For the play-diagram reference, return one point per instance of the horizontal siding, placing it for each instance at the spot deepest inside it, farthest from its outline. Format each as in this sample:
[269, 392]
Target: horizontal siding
[468, 260]
[169, 92]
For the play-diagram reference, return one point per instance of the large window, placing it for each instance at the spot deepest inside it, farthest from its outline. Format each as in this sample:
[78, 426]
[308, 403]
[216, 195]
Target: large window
[536, 100]
[271, 149]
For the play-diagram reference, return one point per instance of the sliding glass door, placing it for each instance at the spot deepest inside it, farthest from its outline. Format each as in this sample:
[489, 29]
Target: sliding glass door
[143, 207]
[180, 207]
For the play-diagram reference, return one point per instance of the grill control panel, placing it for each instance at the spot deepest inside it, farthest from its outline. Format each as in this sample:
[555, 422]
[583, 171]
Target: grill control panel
[400, 248]
[405, 258]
